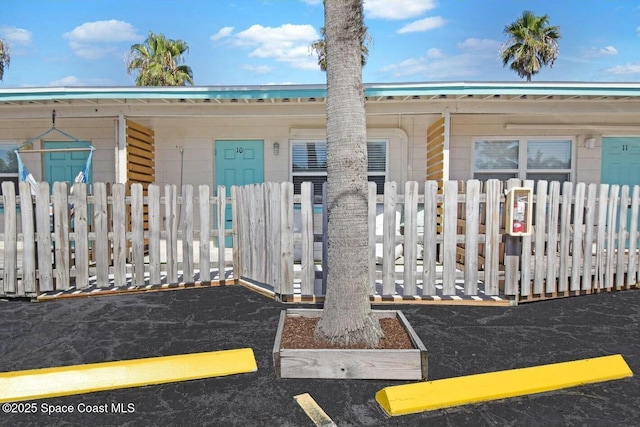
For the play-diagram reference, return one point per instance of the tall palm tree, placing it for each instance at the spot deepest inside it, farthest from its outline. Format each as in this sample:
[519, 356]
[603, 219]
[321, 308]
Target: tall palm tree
[319, 48]
[157, 62]
[532, 44]
[347, 317]
[5, 57]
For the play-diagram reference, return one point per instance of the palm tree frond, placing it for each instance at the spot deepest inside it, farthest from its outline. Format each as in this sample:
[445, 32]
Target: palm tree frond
[158, 62]
[532, 44]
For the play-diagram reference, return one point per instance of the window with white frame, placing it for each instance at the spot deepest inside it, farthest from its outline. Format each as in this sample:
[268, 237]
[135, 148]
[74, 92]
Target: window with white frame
[8, 163]
[549, 159]
[309, 163]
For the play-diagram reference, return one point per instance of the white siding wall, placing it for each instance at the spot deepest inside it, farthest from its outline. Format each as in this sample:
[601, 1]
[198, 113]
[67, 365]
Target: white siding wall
[465, 127]
[405, 131]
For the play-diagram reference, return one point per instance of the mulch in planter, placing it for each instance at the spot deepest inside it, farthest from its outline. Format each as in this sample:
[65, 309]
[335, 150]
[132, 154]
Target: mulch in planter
[299, 332]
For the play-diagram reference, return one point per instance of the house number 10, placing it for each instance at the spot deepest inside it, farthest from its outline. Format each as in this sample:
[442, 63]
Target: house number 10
[239, 150]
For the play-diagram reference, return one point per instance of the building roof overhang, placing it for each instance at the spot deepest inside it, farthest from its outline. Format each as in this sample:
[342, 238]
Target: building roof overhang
[375, 93]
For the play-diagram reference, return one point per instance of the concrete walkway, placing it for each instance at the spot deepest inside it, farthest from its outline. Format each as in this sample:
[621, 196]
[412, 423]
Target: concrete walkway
[461, 340]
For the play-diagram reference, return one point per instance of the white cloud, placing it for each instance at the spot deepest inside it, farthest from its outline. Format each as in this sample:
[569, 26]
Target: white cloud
[312, 2]
[94, 40]
[288, 43]
[16, 36]
[604, 51]
[260, 69]
[103, 31]
[66, 81]
[480, 45]
[222, 34]
[75, 81]
[609, 50]
[434, 53]
[397, 9]
[425, 24]
[624, 69]
[474, 56]
[93, 51]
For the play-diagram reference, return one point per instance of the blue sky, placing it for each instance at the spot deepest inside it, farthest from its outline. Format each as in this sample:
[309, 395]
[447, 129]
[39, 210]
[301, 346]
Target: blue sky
[255, 42]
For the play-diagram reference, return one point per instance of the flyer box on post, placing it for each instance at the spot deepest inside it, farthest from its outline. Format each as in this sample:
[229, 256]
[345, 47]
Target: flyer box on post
[518, 211]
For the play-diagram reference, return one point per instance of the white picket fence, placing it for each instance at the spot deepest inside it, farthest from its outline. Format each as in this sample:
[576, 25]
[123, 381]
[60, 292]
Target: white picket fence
[452, 242]
[429, 242]
[75, 241]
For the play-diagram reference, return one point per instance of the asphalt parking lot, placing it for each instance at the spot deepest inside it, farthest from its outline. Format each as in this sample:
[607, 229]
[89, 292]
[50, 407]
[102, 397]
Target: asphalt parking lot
[461, 340]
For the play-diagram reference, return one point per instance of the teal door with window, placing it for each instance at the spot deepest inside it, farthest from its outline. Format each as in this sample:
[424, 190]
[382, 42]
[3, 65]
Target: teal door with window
[238, 163]
[621, 163]
[64, 165]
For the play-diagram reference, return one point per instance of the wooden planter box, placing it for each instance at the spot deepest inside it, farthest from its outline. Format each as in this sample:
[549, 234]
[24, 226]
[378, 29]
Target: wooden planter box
[378, 364]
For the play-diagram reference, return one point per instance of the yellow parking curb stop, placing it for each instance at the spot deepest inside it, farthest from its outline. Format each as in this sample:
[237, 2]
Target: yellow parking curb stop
[430, 395]
[79, 379]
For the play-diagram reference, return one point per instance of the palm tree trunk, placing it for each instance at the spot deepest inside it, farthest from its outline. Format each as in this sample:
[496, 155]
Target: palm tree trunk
[347, 317]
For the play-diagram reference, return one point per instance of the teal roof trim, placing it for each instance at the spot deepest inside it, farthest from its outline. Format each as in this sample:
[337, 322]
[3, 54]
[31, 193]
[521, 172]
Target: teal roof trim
[546, 89]
[319, 91]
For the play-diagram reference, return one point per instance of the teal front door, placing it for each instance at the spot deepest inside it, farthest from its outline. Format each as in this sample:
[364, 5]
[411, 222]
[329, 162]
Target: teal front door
[621, 163]
[64, 165]
[238, 163]
[621, 160]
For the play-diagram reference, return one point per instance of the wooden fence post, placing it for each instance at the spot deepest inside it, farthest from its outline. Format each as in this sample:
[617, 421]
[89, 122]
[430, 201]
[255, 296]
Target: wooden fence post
[389, 239]
[286, 228]
[137, 234]
[450, 218]
[623, 207]
[430, 238]
[306, 257]
[101, 232]
[552, 239]
[372, 207]
[186, 220]
[541, 237]
[587, 253]
[632, 271]
[472, 221]
[28, 240]
[601, 235]
[61, 234]
[81, 235]
[43, 230]
[221, 226]
[155, 216]
[204, 204]
[272, 243]
[611, 236]
[235, 233]
[410, 252]
[578, 253]
[119, 208]
[171, 232]
[10, 267]
[492, 240]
